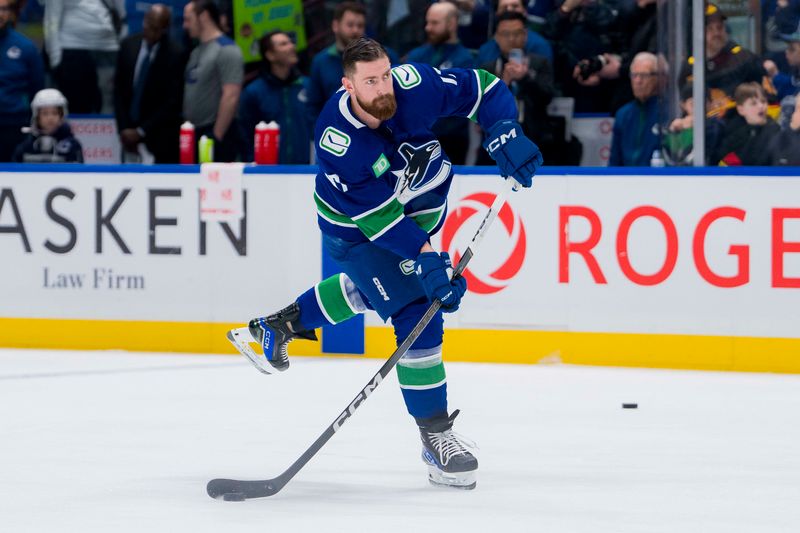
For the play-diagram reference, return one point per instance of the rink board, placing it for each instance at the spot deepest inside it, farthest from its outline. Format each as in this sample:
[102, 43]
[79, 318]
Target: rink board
[659, 268]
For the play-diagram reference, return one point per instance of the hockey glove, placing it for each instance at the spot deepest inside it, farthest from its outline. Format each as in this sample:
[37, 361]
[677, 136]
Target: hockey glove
[515, 154]
[432, 271]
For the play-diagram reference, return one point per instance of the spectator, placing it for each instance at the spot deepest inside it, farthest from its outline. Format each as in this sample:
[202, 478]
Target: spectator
[784, 149]
[530, 79]
[213, 81]
[787, 17]
[537, 12]
[50, 138]
[747, 136]
[727, 64]
[679, 140]
[473, 22]
[534, 43]
[278, 94]
[147, 91]
[787, 84]
[635, 136]
[638, 21]
[396, 23]
[82, 39]
[444, 51]
[578, 30]
[21, 76]
[349, 20]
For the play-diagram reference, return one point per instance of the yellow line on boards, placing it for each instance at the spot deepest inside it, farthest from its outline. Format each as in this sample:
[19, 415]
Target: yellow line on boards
[698, 352]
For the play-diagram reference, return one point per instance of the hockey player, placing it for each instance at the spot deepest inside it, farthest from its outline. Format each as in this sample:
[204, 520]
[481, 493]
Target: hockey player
[49, 139]
[381, 193]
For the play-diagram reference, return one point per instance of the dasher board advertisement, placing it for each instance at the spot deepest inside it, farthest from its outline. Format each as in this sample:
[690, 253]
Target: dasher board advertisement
[132, 246]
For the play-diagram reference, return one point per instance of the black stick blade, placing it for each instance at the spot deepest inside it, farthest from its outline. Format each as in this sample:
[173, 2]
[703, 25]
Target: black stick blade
[236, 490]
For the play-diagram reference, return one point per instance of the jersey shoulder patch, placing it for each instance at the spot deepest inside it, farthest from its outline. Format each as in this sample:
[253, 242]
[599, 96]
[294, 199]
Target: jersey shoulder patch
[334, 141]
[407, 76]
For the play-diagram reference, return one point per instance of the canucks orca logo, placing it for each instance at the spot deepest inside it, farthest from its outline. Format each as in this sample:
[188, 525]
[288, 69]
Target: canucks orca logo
[416, 177]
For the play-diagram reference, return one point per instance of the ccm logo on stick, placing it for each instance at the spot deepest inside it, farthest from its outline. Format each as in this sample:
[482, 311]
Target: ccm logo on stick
[780, 246]
[363, 395]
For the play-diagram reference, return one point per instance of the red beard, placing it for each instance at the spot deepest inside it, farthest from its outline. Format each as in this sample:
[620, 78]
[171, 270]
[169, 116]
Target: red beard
[382, 108]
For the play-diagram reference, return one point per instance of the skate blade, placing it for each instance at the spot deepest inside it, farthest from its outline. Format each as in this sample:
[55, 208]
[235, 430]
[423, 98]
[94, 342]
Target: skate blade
[242, 340]
[456, 480]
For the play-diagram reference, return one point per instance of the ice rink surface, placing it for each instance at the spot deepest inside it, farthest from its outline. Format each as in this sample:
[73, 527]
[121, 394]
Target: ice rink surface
[122, 442]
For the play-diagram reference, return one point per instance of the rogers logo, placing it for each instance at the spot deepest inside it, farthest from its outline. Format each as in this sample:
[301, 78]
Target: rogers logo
[477, 204]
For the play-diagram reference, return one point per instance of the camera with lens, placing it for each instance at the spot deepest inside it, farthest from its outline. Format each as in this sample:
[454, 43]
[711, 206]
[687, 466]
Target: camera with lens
[590, 66]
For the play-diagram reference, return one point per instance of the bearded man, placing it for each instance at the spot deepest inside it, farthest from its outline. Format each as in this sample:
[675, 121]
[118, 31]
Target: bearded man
[381, 194]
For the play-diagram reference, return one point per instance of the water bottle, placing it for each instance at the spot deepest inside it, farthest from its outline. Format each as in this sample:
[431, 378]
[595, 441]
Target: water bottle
[205, 149]
[187, 143]
[267, 141]
[657, 160]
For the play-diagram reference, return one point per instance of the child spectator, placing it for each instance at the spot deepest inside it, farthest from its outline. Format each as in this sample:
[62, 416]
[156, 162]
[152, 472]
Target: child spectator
[748, 134]
[49, 138]
[679, 140]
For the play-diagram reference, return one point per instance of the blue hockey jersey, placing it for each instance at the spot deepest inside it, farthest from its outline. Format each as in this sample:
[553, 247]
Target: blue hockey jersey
[389, 185]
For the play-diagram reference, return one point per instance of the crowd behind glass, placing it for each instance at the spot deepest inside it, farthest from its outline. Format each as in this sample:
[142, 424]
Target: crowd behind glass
[612, 58]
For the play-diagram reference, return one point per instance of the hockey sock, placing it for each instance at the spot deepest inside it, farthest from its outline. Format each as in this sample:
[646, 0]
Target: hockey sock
[330, 301]
[420, 371]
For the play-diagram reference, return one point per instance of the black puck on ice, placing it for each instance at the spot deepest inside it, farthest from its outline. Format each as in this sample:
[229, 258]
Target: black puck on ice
[630, 405]
[234, 497]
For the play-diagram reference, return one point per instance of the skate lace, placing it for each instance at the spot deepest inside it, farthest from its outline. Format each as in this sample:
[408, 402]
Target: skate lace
[449, 444]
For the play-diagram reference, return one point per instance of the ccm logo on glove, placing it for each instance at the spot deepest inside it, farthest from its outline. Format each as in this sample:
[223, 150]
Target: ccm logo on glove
[501, 140]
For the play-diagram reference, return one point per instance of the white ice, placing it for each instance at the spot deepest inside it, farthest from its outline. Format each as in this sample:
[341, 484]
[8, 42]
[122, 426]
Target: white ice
[122, 442]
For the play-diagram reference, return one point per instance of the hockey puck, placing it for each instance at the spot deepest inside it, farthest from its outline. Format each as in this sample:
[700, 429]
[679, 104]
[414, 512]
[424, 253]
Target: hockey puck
[234, 497]
[630, 405]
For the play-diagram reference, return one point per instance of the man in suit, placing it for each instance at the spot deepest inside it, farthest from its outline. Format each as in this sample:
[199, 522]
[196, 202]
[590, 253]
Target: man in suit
[148, 90]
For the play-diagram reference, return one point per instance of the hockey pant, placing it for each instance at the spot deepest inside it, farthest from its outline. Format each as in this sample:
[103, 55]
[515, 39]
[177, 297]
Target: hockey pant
[374, 278]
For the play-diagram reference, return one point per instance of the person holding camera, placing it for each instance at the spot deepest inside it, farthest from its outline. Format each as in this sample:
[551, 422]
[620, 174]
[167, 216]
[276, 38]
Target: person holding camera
[530, 78]
[585, 30]
[534, 43]
[638, 21]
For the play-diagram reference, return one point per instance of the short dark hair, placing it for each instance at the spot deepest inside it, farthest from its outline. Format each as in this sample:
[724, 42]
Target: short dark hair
[362, 49]
[745, 91]
[353, 7]
[510, 15]
[210, 7]
[265, 43]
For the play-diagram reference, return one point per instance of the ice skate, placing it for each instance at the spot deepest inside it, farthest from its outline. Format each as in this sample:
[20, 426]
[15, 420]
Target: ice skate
[450, 463]
[274, 333]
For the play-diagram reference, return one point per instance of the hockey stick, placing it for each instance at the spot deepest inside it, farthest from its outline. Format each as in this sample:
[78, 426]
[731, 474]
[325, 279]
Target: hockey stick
[240, 490]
